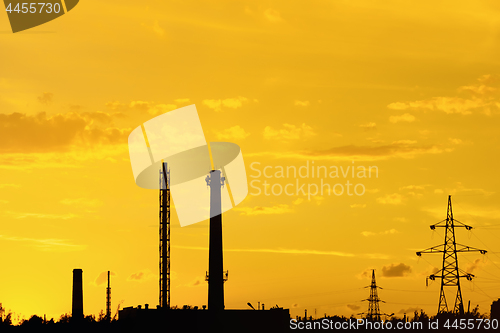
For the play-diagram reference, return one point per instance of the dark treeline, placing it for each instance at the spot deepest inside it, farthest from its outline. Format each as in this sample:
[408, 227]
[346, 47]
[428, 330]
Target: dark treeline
[473, 321]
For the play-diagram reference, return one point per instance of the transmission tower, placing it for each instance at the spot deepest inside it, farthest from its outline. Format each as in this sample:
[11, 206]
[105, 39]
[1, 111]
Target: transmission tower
[108, 300]
[165, 237]
[450, 274]
[373, 313]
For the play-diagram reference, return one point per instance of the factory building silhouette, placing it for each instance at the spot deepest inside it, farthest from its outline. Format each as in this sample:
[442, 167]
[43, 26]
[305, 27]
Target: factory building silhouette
[215, 317]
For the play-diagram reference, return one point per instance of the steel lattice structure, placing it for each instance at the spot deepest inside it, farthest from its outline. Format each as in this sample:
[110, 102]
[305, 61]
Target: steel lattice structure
[164, 237]
[108, 300]
[373, 313]
[450, 274]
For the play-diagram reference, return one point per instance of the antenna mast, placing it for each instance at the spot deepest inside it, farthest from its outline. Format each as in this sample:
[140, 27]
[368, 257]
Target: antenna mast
[164, 237]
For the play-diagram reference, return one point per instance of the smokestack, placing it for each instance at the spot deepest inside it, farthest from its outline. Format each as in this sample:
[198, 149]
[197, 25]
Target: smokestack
[77, 310]
[215, 260]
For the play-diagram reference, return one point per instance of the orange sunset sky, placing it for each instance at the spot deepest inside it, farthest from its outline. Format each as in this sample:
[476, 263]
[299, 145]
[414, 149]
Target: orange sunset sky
[411, 87]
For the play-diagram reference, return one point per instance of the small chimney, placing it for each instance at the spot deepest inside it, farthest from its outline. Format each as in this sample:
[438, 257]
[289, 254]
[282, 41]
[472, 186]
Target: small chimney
[146, 306]
[77, 309]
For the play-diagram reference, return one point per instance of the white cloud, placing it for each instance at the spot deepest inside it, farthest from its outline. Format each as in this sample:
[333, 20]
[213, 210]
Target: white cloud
[288, 132]
[235, 132]
[302, 103]
[391, 199]
[402, 118]
[259, 210]
[233, 103]
[272, 15]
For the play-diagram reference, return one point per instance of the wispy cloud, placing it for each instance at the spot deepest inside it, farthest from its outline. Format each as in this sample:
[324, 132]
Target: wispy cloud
[232, 103]
[386, 232]
[482, 97]
[46, 244]
[402, 118]
[391, 199]
[19, 215]
[272, 15]
[82, 202]
[141, 276]
[102, 278]
[301, 103]
[397, 149]
[263, 210]
[235, 132]
[280, 251]
[293, 251]
[288, 132]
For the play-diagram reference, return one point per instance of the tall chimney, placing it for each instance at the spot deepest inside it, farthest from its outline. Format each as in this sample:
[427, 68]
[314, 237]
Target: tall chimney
[215, 261]
[77, 310]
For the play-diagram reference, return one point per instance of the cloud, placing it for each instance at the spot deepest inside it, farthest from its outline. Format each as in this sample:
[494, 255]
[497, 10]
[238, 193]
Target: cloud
[141, 276]
[402, 118]
[319, 199]
[102, 278]
[155, 28]
[259, 210]
[353, 307]
[43, 216]
[158, 30]
[21, 133]
[278, 251]
[9, 185]
[455, 141]
[359, 153]
[409, 310]
[358, 206]
[289, 132]
[369, 126]
[235, 132]
[83, 202]
[272, 15]
[301, 103]
[386, 232]
[413, 187]
[396, 270]
[182, 100]
[482, 97]
[46, 98]
[46, 244]
[152, 107]
[391, 199]
[233, 103]
[473, 266]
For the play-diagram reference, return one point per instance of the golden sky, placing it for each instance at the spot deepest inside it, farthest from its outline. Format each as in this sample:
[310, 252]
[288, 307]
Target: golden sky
[411, 87]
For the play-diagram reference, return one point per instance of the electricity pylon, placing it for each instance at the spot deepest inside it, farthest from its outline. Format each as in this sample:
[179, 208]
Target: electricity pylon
[450, 273]
[373, 313]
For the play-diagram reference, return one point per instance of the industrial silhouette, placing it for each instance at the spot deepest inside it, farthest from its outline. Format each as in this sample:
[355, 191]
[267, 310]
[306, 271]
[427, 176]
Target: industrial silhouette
[215, 273]
[164, 236]
[373, 313]
[450, 273]
[216, 318]
[77, 308]
[108, 299]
